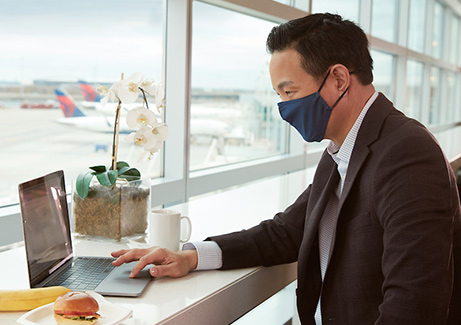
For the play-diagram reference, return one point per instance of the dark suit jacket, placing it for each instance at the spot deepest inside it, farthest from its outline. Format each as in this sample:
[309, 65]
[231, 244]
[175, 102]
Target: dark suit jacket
[397, 251]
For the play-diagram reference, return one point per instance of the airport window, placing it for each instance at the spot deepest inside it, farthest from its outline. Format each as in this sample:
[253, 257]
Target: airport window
[347, 8]
[416, 25]
[434, 103]
[383, 73]
[450, 97]
[384, 20]
[414, 84]
[234, 114]
[437, 31]
[455, 36]
[48, 45]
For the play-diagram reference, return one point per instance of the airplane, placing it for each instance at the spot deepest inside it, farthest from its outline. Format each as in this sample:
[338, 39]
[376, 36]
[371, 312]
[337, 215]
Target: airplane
[88, 92]
[205, 121]
[93, 98]
[75, 116]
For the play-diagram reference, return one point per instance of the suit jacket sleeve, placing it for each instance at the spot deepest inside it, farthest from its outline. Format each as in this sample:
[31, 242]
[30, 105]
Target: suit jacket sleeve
[274, 241]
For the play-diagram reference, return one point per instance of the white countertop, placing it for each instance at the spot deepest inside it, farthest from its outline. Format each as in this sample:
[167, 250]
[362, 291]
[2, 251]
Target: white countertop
[202, 297]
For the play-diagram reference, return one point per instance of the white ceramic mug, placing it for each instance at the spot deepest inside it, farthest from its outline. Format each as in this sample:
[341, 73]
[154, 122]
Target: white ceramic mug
[166, 228]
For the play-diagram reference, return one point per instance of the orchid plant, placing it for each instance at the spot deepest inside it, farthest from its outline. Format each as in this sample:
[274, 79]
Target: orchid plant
[150, 133]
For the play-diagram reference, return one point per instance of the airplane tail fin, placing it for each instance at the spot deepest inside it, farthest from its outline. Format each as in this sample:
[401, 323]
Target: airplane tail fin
[67, 104]
[88, 92]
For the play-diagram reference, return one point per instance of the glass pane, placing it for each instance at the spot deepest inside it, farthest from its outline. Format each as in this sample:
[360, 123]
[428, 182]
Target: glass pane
[384, 19]
[234, 114]
[434, 110]
[348, 9]
[451, 98]
[414, 89]
[417, 23]
[383, 66]
[48, 45]
[457, 99]
[455, 36]
[437, 31]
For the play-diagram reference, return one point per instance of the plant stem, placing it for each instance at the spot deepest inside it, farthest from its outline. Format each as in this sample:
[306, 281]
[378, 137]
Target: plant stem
[144, 97]
[116, 133]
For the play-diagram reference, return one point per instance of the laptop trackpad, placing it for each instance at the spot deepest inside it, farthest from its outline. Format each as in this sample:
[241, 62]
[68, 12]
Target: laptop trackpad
[118, 283]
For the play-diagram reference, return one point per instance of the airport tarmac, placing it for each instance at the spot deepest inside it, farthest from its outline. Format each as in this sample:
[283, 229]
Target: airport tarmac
[33, 143]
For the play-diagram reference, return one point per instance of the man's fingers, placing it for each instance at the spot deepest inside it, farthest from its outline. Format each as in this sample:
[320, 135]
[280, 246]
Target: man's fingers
[171, 270]
[119, 253]
[128, 255]
[143, 262]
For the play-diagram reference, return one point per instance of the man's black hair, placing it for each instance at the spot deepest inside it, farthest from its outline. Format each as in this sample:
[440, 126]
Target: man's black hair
[324, 40]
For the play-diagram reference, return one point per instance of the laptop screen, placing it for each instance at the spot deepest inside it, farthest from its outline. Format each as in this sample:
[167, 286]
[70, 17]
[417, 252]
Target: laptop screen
[45, 224]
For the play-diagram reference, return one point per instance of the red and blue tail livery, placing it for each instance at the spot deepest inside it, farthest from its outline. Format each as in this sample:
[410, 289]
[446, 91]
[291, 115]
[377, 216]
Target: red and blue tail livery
[67, 105]
[88, 92]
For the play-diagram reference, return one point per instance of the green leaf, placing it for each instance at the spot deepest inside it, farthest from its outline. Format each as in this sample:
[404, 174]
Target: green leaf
[129, 173]
[99, 168]
[121, 164]
[107, 178]
[83, 184]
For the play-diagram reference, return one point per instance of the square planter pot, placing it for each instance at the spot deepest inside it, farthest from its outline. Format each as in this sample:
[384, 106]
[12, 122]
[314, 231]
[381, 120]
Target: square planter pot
[113, 213]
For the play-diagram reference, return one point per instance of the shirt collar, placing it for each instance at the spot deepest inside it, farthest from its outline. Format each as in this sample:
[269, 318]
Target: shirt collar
[344, 152]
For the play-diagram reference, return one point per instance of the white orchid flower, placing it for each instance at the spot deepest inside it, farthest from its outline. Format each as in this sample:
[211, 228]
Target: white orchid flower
[148, 86]
[160, 131]
[159, 96]
[108, 94]
[128, 89]
[143, 137]
[140, 116]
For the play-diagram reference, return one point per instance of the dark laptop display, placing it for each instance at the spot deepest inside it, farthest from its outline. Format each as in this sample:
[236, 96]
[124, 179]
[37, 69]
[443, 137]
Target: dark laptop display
[48, 244]
[45, 225]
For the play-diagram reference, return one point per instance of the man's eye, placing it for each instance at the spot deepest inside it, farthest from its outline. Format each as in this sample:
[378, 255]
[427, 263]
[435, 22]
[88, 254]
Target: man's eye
[288, 92]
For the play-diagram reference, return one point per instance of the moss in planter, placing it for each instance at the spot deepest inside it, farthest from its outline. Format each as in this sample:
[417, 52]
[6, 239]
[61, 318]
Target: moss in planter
[112, 213]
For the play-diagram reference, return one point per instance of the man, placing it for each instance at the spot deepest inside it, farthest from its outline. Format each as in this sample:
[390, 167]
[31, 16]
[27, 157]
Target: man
[377, 234]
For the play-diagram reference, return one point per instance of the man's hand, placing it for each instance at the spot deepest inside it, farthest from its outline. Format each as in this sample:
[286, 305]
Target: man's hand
[167, 262]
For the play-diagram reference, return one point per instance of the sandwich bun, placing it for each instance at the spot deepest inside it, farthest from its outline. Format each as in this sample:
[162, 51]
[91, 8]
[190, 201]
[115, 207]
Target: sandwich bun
[76, 308]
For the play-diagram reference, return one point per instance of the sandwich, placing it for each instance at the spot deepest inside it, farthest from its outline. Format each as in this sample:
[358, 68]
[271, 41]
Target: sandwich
[76, 308]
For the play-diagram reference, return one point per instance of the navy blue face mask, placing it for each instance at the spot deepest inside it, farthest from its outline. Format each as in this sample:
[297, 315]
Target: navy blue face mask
[309, 115]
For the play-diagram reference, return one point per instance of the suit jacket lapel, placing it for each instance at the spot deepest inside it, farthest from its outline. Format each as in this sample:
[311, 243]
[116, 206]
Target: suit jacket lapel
[368, 133]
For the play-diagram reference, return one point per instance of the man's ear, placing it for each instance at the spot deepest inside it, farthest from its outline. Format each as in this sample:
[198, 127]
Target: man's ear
[342, 77]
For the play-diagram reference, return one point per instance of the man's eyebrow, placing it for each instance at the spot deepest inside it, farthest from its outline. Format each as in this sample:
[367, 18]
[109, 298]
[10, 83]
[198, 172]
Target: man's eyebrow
[283, 84]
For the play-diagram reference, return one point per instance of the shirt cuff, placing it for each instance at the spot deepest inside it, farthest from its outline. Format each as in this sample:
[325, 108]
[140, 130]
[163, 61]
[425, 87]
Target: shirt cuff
[209, 254]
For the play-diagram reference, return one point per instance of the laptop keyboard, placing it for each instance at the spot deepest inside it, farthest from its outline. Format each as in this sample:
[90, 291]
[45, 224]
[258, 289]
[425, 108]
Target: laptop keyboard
[84, 274]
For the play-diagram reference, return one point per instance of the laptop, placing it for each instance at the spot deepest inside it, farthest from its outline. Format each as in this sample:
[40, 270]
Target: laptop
[48, 244]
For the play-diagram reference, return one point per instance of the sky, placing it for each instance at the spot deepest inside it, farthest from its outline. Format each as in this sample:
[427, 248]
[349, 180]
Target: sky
[98, 40]
[69, 40]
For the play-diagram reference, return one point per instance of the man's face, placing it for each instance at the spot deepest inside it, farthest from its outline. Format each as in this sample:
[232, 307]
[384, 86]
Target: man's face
[288, 77]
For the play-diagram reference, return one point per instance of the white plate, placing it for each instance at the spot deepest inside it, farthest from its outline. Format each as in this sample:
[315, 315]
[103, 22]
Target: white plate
[111, 314]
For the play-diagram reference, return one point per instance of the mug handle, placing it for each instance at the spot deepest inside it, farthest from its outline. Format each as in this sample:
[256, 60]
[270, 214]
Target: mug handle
[189, 224]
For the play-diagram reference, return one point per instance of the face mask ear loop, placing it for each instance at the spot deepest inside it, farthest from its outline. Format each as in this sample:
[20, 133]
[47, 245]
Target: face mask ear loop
[324, 80]
[340, 97]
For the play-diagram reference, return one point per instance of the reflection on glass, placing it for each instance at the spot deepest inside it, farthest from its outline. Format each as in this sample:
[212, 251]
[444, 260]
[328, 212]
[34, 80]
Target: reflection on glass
[45, 46]
[455, 42]
[348, 9]
[437, 31]
[234, 114]
[384, 19]
[416, 25]
[383, 66]
[434, 108]
[413, 90]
